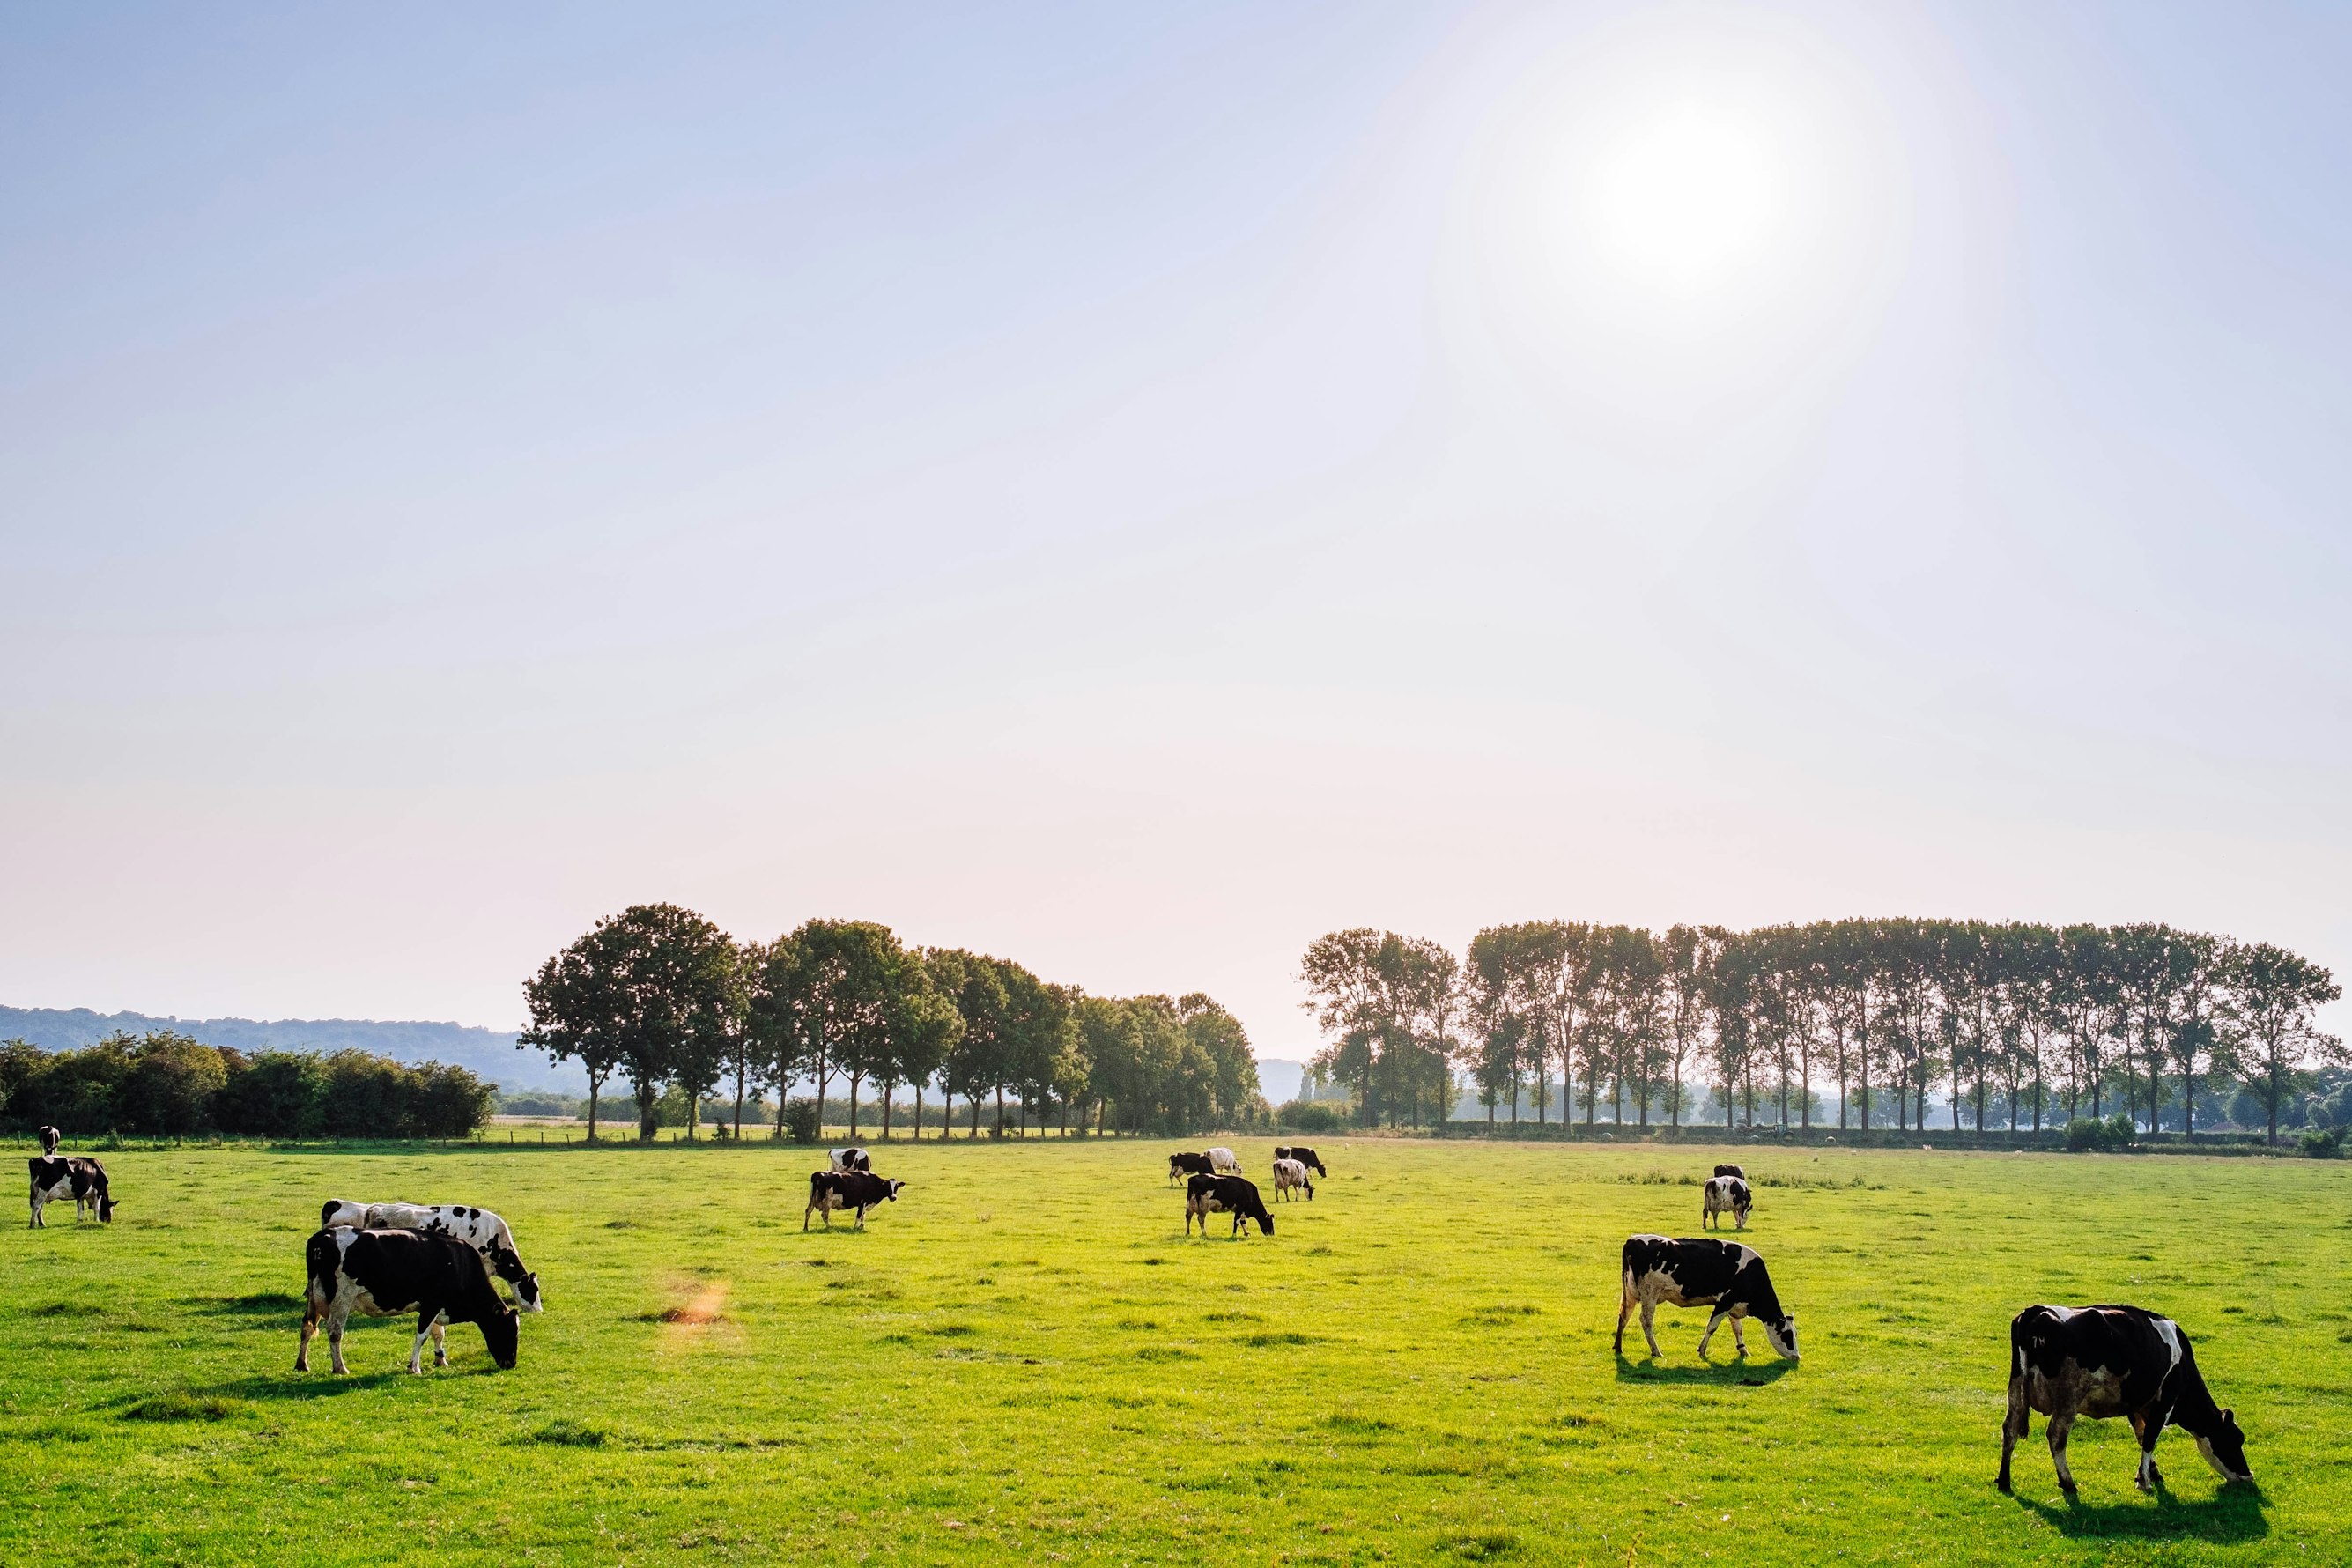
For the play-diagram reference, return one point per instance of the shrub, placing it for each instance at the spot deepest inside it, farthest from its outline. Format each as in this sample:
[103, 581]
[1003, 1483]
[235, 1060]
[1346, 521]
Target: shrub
[449, 1101]
[2327, 1145]
[1306, 1116]
[2087, 1135]
[278, 1094]
[801, 1121]
[170, 1085]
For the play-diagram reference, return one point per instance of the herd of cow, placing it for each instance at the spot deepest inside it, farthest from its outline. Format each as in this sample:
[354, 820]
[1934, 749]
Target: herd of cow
[439, 1262]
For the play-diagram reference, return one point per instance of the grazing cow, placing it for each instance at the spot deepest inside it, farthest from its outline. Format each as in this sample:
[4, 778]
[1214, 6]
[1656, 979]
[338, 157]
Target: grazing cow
[383, 1273]
[1235, 1195]
[859, 1190]
[1189, 1165]
[1724, 1196]
[851, 1159]
[1700, 1272]
[1290, 1175]
[57, 1177]
[1303, 1155]
[481, 1229]
[49, 1136]
[1731, 1171]
[2101, 1361]
[1222, 1162]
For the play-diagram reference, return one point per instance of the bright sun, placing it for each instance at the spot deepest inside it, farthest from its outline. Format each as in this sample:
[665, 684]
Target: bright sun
[1687, 198]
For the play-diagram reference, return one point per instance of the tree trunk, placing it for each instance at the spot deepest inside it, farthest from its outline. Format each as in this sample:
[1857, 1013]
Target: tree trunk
[855, 1079]
[888, 1090]
[645, 1115]
[596, 1084]
[738, 1107]
[973, 1101]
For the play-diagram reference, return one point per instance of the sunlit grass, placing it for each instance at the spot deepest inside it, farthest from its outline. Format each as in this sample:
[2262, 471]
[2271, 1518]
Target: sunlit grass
[1025, 1359]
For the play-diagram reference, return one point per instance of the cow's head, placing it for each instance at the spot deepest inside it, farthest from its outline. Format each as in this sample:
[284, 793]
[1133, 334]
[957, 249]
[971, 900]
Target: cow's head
[507, 1264]
[2224, 1448]
[105, 1209]
[1782, 1332]
[501, 1334]
[1265, 1220]
[893, 1193]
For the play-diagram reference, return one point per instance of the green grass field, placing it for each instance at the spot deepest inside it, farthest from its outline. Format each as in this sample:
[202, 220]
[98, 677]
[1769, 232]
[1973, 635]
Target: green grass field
[1025, 1359]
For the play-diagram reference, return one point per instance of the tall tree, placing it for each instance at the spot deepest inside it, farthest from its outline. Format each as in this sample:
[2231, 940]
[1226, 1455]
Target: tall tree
[629, 995]
[2270, 998]
[920, 1025]
[831, 981]
[977, 1058]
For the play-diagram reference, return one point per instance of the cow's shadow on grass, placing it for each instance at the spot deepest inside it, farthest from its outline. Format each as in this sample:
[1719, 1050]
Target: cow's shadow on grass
[2236, 1512]
[314, 1385]
[1709, 1374]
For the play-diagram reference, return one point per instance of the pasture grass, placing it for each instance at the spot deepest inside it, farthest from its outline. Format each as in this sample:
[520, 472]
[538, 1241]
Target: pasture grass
[1025, 1359]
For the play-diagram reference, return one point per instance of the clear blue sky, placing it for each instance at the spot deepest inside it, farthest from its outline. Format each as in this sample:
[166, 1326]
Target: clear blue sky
[1132, 488]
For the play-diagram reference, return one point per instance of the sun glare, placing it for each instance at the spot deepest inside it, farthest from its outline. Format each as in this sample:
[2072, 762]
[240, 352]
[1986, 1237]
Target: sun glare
[1687, 198]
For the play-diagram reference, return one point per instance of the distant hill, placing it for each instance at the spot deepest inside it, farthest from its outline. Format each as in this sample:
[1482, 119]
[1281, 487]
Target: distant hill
[1278, 1080]
[488, 1053]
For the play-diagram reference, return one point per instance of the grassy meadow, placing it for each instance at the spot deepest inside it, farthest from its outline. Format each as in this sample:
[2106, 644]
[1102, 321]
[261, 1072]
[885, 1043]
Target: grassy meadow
[1025, 1359]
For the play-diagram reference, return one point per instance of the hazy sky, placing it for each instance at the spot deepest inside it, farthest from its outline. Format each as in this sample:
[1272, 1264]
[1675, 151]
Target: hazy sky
[1132, 488]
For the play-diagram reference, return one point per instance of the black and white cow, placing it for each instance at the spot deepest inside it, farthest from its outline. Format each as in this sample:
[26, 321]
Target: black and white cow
[481, 1229]
[1290, 1177]
[1224, 1160]
[1724, 1196]
[1303, 1155]
[851, 1159]
[859, 1190]
[1731, 1171]
[1189, 1165]
[383, 1273]
[50, 1138]
[2099, 1361]
[1702, 1271]
[57, 1177]
[1235, 1195]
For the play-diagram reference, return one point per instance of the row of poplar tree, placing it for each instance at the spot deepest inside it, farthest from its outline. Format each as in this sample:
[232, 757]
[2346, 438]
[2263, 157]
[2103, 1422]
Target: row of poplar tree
[660, 998]
[2039, 1018]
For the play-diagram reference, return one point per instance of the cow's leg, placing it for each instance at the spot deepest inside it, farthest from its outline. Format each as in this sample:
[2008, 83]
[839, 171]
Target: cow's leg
[805, 1213]
[1738, 1341]
[1650, 1329]
[416, 1346]
[2013, 1426]
[861, 1216]
[37, 1222]
[440, 1341]
[1714, 1323]
[2148, 1430]
[335, 1342]
[1625, 1310]
[310, 1327]
[2060, 1424]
